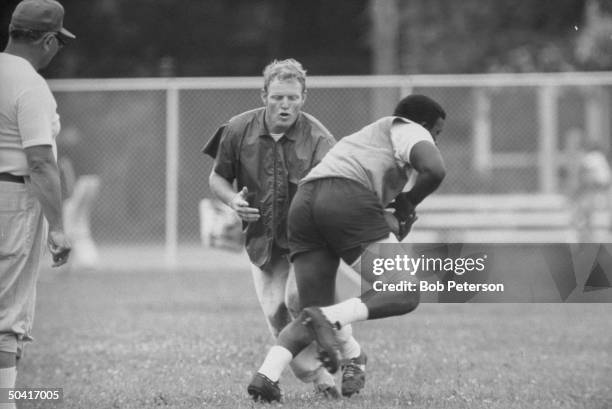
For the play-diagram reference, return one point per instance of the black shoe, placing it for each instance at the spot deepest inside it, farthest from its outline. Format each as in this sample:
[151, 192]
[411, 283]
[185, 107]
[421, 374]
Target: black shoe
[325, 334]
[353, 375]
[263, 389]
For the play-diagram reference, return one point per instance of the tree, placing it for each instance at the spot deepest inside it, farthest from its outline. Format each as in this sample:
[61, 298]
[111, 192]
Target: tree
[441, 36]
[594, 44]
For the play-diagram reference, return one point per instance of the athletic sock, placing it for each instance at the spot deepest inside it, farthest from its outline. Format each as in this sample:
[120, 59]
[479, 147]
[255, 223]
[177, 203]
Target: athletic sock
[350, 349]
[276, 361]
[346, 312]
[8, 377]
[347, 344]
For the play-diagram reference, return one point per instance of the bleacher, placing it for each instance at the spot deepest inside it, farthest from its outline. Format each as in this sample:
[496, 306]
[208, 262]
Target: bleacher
[518, 218]
[465, 218]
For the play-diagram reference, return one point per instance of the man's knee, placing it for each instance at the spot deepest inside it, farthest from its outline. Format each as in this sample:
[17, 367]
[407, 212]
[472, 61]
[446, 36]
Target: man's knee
[305, 375]
[305, 365]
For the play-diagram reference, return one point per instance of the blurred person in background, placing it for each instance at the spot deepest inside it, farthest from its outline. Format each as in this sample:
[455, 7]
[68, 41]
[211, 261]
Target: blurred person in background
[30, 189]
[588, 183]
[266, 151]
[339, 213]
[593, 189]
[80, 193]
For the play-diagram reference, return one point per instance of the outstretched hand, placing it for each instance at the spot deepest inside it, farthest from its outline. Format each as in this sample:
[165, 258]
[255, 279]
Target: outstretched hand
[240, 205]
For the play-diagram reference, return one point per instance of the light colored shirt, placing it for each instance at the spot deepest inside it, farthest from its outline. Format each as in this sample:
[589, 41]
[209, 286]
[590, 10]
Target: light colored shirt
[403, 138]
[28, 113]
[276, 136]
[377, 156]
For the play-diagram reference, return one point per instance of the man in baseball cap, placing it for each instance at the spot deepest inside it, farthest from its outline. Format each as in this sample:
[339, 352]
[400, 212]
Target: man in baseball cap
[40, 15]
[30, 192]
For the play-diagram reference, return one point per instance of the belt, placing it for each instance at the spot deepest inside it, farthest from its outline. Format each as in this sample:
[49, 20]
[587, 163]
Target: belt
[9, 177]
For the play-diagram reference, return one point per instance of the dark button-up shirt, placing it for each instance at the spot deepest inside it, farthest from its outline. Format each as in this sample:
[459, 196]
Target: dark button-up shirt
[270, 170]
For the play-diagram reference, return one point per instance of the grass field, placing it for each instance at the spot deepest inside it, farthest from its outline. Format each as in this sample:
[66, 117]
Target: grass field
[145, 338]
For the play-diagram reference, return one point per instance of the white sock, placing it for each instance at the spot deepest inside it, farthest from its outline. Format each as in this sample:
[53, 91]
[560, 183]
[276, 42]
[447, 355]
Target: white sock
[346, 312]
[350, 349]
[348, 345]
[276, 361]
[8, 377]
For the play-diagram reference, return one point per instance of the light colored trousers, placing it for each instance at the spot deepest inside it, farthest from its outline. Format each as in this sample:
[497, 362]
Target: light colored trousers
[23, 231]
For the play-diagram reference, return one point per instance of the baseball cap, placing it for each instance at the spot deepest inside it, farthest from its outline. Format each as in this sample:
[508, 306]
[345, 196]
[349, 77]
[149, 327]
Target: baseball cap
[40, 15]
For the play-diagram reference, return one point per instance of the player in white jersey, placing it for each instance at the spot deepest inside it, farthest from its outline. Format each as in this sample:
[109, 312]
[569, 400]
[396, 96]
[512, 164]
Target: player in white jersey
[339, 211]
[29, 178]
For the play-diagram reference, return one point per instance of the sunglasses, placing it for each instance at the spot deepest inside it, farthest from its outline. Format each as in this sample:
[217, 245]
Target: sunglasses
[60, 41]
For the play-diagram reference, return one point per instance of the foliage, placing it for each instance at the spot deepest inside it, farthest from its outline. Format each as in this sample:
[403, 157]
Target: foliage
[476, 35]
[238, 37]
[594, 45]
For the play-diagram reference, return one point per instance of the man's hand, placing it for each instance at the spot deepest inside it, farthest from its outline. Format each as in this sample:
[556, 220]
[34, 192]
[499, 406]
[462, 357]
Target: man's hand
[404, 216]
[60, 247]
[405, 224]
[400, 226]
[393, 223]
[241, 206]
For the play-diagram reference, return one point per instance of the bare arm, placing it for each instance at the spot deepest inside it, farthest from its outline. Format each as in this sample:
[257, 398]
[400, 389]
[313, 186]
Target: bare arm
[67, 176]
[45, 183]
[426, 159]
[237, 201]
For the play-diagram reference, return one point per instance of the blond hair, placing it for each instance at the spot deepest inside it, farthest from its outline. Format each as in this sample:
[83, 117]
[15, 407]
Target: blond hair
[284, 70]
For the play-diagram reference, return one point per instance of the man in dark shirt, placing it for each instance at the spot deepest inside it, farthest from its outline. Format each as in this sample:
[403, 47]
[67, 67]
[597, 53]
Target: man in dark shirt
[266, 151]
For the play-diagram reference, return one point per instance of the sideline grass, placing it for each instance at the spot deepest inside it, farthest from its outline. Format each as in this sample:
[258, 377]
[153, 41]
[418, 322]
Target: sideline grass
[192, 339]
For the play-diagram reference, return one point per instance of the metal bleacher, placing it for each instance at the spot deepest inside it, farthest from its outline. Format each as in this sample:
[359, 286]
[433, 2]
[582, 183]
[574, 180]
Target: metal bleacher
[516, 218]
[464, 218]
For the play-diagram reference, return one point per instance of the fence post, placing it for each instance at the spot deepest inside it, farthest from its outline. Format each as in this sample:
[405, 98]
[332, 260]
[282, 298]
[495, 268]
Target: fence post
[597, 122]
[172, 152]
[481, 160]
[548, 138]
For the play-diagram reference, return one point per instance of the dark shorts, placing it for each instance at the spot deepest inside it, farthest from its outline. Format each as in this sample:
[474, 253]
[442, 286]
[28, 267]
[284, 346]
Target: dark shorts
[335, 213]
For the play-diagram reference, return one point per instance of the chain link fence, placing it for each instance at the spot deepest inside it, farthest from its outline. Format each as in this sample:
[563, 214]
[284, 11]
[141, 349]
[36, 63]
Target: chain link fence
[503, 134]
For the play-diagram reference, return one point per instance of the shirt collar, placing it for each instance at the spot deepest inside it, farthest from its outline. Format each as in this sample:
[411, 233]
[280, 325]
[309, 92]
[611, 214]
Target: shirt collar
[292, 132]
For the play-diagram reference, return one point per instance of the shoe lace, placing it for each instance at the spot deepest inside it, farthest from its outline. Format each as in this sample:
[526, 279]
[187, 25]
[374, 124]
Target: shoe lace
[350, 369]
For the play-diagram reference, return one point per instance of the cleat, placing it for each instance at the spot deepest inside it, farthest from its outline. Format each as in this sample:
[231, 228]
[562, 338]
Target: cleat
[328, 391]
[353, 375]
[262, 389]
[324, 333]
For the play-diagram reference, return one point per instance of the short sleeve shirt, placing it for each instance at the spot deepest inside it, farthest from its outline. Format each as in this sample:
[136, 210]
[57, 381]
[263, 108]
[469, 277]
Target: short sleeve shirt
[403, 138]
[28, 113]
[377, 156]
[270, 170]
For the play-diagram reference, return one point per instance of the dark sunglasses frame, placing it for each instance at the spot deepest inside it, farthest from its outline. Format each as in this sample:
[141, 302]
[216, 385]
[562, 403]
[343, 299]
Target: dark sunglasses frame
[60, 40]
